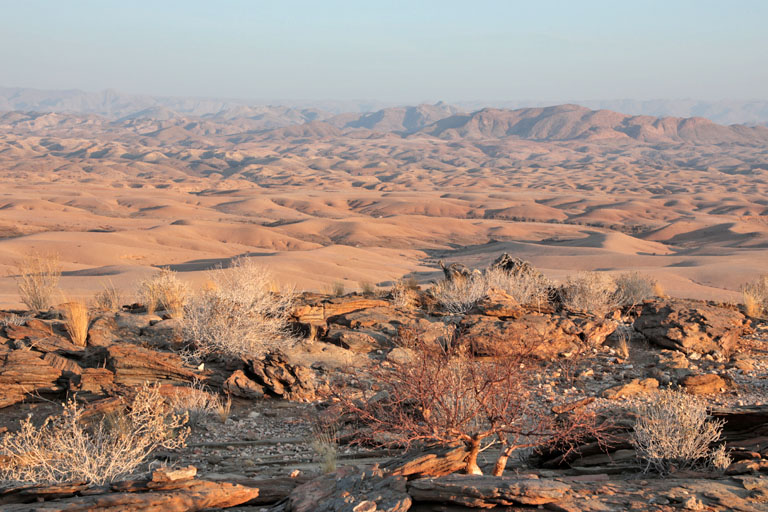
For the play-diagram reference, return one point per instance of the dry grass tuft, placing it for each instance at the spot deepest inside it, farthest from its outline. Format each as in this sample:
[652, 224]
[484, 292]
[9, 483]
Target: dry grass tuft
[108, 299]
[165, 291]
[756, 296]
[76, 321]
[239, 316]
[367, 288]
[659, 291]
[337, 289]
[68, 449]
[674, 432]
[38, 280]
[198, 403]
[324, 443]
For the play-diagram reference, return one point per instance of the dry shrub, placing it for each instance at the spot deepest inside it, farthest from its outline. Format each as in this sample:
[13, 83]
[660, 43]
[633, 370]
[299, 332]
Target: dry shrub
[527, 288]
[324, 443]
[198, 403]
[658, 290]
[337, 289]
[367, 287]
[12, 319]
[460, 294]
[239, 315]
[165, 291]
[444, 395]
[756, 296]
[405, 294]
[590, 292]
[108, 299]
[674, 432]
[76, 322]
[68, 449]
[38, 280]
[633, 287]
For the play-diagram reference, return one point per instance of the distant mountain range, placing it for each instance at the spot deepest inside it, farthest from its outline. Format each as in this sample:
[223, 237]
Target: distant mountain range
[343, 114]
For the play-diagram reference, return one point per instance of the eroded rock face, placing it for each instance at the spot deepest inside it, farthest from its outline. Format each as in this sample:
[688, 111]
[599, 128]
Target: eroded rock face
[487, 491]
[134, 365]
[282, 379]
[351, 490]
[545, 336]
[22, 372]
[691, 326]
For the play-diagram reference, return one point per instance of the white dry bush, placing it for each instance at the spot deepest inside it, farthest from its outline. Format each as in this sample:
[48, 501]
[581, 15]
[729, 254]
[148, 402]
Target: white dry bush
[633, 287]
[404, 294]
[38, 280]
[460, 294]
[590, 292]
[12, 319]
[239, 314]
[527, 288]
[67, 448]
[198, 403]
[756, 296]
[164, 290]
[674, 432]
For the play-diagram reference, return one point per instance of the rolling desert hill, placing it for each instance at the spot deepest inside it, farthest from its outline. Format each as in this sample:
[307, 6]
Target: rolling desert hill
[322, 197]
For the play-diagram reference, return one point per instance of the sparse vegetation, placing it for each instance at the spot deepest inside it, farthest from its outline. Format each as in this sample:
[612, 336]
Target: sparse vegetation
[444, 395]
[367, 288]
[108, 299]
[337, 289]
[38, 280]
[238, 315]
[528, 288]
[460, 294]
[76, 320]
[590, 292]
[675, 433]
[405, 294]
[66, 448]
[198, 403]
[164, 290]
[324, 444]
[756, 296]
[633, 287]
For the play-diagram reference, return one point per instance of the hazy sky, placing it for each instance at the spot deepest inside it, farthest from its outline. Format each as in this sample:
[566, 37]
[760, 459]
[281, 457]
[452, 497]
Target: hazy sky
[392, 51]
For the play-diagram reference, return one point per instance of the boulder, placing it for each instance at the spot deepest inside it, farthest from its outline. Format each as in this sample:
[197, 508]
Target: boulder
[431, 462]
[238, 384]
[487, 491]
[313, 315]
[282, 379]
[351, 489]
[498, 303]
[134, 365]
[23, 372]
[632, 388]
[706, 384]
[544, 336]
[691, 326]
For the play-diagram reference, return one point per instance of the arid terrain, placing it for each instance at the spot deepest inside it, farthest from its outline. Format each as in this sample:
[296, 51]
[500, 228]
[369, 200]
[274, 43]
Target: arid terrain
[370, 197]
[438, 326]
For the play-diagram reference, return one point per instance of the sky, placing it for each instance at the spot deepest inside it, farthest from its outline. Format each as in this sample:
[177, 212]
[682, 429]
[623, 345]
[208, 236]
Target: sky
[398, 51]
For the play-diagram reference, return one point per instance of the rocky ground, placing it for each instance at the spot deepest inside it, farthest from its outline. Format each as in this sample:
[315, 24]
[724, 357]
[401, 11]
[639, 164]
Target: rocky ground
[268, 441]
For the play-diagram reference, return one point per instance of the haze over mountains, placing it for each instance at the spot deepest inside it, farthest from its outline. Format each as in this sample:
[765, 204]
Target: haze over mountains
[372, 196]
[113, 104]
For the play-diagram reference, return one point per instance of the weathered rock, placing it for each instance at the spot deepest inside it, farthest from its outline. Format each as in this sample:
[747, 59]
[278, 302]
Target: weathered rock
[513, 266]
[314, 315]
[351, 489]
[707, 384]
[690, 326]
[22, 372]
[282, 379]
[238, 384]
[96, 381]
[103, 331]
[500, 304]
[134, 365]
[486, 491]
[632, 388]
[455, 271]
[172, 496]
[62, 363]
[594, 331]
[400, 355]
[543, 336]
[432, 462]
[355, 341]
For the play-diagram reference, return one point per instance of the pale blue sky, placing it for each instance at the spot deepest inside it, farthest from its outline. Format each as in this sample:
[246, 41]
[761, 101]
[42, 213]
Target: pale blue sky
[402, 51]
